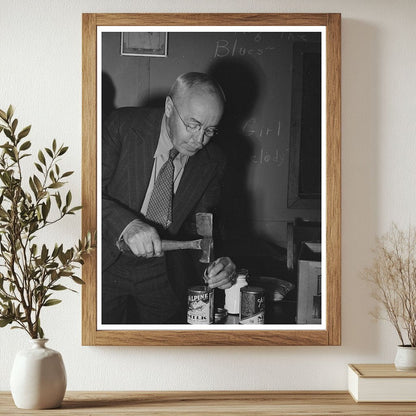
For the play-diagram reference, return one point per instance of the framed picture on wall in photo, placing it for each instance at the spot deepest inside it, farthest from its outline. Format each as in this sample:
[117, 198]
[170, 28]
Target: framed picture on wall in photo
[153, 44]
[212, 177]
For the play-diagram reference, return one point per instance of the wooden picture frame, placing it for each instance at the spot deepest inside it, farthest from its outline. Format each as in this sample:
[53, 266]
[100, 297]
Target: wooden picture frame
[330, 334]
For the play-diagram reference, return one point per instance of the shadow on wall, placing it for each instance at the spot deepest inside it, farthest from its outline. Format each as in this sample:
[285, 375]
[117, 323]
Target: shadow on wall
[108, 95]
[243, 83]
[157, 101]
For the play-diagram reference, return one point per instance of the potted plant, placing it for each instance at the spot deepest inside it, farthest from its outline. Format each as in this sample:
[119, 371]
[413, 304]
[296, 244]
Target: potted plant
[393, 277]
[31, 273]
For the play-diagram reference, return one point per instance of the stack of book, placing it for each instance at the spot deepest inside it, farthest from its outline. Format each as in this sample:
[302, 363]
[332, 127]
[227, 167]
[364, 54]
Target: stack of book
[381, 383]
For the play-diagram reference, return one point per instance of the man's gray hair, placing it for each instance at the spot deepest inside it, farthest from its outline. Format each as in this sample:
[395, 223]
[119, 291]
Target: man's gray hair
[201, 80]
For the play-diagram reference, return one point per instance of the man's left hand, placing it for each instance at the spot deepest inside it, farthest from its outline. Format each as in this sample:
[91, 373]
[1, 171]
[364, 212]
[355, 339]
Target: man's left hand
[220, 273]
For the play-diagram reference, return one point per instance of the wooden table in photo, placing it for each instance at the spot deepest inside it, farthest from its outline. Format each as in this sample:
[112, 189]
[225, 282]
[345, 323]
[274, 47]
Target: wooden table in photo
[179, 403]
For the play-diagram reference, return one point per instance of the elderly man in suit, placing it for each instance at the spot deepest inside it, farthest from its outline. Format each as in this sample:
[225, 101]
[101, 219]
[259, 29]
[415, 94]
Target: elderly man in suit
[140, 147]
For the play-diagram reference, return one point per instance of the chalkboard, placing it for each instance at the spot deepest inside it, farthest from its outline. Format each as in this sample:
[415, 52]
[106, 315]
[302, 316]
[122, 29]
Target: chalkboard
[256, 73]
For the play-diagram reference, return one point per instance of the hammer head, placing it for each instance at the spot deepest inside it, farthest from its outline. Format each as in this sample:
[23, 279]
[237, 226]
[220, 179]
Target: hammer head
[204, 225]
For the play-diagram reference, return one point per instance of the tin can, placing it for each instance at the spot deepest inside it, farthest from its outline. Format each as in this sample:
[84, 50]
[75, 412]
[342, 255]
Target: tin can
[200, 305]
[252, 305]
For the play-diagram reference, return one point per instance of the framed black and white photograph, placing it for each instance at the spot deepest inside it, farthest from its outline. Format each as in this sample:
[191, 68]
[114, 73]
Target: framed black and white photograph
[212, 177]
[153, 44]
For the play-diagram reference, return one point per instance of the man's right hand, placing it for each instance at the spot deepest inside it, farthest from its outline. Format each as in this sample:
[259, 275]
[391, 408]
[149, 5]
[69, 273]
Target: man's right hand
[142, 239]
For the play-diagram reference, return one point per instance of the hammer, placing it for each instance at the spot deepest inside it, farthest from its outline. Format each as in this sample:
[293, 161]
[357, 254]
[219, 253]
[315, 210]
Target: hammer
[204, 223]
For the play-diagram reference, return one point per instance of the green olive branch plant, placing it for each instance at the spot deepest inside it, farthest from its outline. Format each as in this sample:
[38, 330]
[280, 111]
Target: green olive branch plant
[31, 274]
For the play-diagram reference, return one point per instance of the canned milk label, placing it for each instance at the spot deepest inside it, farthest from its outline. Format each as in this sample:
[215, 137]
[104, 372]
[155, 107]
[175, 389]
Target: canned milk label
[200, 305]
[252, 305]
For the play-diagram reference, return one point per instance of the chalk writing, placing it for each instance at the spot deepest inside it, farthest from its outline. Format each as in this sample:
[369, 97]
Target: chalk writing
[294, 36]
[235, 48]
[264, 157]
[257, 38]
[250, 128]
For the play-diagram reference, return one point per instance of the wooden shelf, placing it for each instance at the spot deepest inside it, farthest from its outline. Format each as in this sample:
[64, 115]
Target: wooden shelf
[179, 403]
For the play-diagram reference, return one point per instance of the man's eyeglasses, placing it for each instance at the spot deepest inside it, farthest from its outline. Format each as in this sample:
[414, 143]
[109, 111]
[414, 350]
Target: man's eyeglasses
[196, 127]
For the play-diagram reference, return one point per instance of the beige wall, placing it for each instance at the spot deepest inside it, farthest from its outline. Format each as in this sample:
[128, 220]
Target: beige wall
[40, 74]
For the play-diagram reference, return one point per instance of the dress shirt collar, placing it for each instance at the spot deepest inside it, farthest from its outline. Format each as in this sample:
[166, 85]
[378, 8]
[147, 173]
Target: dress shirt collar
[164, 146]
[165, 143]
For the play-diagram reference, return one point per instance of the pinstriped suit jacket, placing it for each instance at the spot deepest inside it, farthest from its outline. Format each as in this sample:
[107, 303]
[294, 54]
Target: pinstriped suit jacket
[130, 138]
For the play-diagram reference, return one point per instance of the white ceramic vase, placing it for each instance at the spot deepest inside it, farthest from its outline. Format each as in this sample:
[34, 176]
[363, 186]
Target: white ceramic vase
[38, 377]
[405, 358]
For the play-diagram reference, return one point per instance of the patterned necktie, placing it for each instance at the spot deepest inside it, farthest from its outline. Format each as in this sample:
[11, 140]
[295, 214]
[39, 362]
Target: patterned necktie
[160, 205]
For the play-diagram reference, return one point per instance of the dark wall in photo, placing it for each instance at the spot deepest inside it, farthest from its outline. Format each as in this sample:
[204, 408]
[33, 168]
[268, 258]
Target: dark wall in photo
[261, 130]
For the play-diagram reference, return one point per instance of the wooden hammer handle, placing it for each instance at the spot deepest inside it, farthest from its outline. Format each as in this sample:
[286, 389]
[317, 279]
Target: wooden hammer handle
[169, 245]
